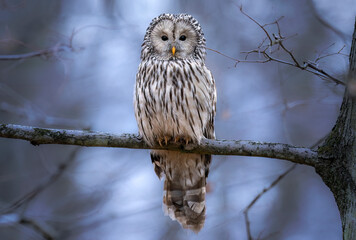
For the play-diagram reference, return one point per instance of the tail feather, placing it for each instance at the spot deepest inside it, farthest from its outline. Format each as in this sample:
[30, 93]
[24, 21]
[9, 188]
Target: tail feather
[184, 186]
[187, 206]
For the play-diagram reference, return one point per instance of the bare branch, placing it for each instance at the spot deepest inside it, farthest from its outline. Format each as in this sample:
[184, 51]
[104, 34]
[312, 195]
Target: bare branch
[274, 183]
[278, 40]
[207, 146]
[31, 223]
[40, 53]
[312, 66]
[330, 54]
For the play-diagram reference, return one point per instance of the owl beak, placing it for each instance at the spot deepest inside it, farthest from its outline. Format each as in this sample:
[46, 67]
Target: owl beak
[173, 50]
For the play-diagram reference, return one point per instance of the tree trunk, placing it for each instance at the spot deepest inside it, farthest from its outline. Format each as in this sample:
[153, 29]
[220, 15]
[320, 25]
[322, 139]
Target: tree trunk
[337, 157]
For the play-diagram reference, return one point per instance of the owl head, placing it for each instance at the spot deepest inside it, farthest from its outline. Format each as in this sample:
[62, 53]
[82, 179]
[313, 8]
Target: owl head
[172, 37]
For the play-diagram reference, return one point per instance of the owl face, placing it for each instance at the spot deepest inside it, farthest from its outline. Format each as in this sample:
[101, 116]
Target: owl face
[173, 39]
[172, 36]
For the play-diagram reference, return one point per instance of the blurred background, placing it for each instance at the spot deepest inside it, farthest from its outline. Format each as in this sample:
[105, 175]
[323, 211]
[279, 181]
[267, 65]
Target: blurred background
[74, 193]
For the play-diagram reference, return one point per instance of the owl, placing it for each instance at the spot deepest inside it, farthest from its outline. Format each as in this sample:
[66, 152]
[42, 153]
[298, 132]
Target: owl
[175, 101]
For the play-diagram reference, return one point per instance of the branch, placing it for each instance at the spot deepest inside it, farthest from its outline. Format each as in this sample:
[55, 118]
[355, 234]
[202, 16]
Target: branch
[14, 218]
[207, 146]
[278, 40]
[53, 51]
[274, 183]
[276, 43]
[40, 53]
[31, 223]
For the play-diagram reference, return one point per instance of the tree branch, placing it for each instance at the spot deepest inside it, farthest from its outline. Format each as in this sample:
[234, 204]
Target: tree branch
[207, 146]
[40, 53]
[247, 209]
[31, 223]
[275, 44]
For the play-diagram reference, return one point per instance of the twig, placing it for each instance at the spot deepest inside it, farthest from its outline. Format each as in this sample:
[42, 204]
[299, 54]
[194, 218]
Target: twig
[37, 228]
[207, 146]
[312, 66]
[234, 59]
[330, 54]
[274, 183]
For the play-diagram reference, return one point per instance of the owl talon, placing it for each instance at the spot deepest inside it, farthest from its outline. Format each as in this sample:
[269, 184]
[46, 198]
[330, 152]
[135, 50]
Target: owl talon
[166, 139]
[183, 140]
[159, 140]
[163, 140]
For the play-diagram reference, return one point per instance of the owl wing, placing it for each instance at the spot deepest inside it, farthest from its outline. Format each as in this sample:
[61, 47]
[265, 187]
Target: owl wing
[209, 130]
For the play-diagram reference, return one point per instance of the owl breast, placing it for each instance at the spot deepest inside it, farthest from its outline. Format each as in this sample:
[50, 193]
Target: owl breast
[173, 98]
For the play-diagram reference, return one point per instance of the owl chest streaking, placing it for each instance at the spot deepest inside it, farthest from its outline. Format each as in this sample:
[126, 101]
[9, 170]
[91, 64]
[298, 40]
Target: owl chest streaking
[175, 99]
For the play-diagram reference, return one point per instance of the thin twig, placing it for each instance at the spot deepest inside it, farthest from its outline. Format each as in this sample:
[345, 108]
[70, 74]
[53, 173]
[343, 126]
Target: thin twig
[274, 183]
[331, 54]
[216, 51]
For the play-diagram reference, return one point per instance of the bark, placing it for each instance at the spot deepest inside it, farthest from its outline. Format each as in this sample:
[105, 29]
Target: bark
[337, 157]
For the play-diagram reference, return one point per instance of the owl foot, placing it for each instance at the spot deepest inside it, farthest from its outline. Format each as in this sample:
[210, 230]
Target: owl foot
[186, 140]
[165, 139]
[159, 140]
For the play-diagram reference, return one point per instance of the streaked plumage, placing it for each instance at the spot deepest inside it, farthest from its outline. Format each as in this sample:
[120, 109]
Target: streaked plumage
[175, 100]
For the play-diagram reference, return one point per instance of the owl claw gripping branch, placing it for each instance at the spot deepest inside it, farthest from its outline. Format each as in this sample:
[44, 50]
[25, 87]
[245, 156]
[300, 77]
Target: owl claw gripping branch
[166, 140]
[175, 99]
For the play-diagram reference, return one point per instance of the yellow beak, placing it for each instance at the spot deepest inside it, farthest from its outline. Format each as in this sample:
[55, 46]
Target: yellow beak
[173, 50]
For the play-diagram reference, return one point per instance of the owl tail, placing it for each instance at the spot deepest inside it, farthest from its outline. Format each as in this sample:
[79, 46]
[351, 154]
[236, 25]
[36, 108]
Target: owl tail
[185, 204]
[184, 186]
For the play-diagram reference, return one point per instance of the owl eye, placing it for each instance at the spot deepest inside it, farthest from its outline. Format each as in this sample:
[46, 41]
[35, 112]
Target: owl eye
[164, 38]
[182, 38]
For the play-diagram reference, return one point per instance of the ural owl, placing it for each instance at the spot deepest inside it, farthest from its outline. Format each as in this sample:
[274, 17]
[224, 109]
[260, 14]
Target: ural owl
[175, 100]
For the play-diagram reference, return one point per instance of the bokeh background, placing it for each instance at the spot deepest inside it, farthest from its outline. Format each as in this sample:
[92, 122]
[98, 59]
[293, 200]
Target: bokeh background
[107, 193]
